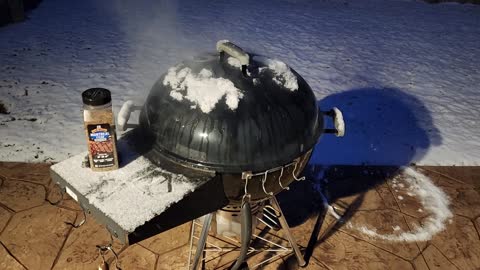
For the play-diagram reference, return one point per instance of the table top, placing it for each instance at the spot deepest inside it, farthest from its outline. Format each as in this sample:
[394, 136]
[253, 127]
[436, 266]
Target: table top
[130, 196]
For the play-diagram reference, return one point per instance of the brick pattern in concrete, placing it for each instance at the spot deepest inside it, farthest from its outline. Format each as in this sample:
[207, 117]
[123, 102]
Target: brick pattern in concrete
[34, 235]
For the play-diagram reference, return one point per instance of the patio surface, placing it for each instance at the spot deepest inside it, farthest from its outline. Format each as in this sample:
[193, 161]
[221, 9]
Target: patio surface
[34, 235]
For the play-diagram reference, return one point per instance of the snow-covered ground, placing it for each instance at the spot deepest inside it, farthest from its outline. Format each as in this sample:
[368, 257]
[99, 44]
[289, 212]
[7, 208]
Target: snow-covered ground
[404, 73]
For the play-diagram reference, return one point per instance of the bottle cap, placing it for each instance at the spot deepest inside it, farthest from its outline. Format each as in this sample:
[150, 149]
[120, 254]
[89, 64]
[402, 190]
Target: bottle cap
[96, 96]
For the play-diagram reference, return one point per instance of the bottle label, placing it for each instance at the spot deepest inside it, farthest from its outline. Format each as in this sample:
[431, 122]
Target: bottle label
[100, 144]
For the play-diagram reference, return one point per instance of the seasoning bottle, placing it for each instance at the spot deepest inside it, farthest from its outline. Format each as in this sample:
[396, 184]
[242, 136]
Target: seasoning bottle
[100, 129]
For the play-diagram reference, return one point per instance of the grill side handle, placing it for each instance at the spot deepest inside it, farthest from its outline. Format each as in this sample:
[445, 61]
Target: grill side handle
[338, 122]
[124, 115]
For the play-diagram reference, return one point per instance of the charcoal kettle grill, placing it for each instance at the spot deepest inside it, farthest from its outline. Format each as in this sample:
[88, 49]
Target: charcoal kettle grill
[257, 142]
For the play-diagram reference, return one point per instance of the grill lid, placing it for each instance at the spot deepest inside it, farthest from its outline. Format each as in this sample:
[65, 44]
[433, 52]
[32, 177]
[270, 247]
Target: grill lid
[230, 112]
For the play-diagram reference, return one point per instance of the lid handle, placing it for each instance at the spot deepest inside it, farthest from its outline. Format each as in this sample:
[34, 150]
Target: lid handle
[225, 46]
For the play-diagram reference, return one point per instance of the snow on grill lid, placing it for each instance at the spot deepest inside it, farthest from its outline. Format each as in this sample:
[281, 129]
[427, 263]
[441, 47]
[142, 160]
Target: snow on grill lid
[202, 89]
[283, 74]
[234, 62]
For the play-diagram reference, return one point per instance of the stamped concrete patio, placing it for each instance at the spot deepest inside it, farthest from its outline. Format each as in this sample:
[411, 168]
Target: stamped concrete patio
[34, 233]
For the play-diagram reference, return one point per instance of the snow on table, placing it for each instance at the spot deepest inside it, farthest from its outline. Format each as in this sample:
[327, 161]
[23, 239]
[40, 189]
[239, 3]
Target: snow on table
[131, 195]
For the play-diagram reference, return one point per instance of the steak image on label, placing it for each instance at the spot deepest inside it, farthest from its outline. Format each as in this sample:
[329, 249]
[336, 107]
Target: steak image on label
[101, 145]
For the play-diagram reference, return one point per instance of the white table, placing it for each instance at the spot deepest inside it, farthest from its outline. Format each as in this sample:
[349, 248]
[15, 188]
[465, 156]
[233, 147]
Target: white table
[127, 198]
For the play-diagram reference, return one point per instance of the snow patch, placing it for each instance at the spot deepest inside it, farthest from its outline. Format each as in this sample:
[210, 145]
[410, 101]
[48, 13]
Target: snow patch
[205, 74]
[433, 199]
[201, 89]
[283, 74]
[124, 114]
[234, 62]
[325, 203]
[339, 123]
[332, 212]
[177, 96]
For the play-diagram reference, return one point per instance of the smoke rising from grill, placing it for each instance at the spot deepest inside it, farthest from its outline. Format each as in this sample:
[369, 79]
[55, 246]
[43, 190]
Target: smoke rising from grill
[155, 35]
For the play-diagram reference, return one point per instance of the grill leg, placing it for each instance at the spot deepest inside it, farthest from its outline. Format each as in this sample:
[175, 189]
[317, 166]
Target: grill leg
[286, 228]
[246, 235]
[201, 241]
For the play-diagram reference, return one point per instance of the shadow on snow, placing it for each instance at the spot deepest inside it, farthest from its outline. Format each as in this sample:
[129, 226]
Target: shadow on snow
[386, 127]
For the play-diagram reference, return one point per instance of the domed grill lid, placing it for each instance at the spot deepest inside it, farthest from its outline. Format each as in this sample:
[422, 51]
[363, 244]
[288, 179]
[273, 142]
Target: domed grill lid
[231, 111]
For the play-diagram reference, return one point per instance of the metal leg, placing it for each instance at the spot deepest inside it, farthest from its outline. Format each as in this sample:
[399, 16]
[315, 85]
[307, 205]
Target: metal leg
[103, 249]
[246, 235]
[286, 228]
[204, 255]
[202, 240]
[192, 233]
